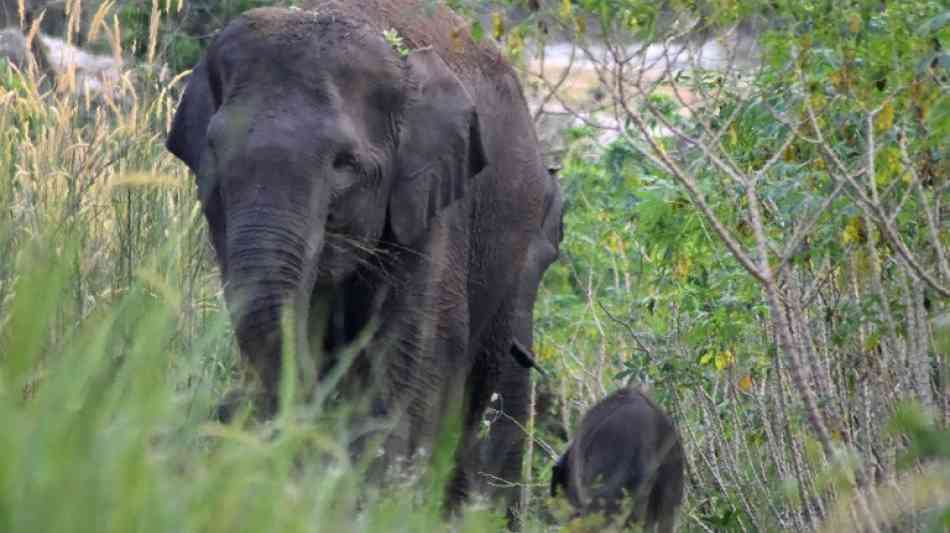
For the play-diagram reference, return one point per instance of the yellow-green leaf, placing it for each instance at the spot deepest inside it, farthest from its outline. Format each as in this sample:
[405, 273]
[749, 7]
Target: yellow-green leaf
[724, 360]
[853, 232]
[873, 341]
[566, 9]
[889, 166]
[546, 352]
[615, 243]
[854, 23]
[497, 24]
[885, 119]
[681, 269]
[580, 23]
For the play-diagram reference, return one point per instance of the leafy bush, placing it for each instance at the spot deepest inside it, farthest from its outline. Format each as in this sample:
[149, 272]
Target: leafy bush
[761, 243]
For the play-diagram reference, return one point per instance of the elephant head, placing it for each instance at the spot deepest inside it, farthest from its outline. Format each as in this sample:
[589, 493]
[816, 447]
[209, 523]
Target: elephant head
[313, 141]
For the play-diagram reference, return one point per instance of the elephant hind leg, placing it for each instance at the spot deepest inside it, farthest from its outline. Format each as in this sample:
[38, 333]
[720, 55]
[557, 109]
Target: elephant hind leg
[667, 494]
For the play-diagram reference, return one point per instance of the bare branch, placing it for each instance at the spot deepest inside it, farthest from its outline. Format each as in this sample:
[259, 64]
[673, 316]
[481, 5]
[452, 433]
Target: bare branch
[874, 209]
[626, 326]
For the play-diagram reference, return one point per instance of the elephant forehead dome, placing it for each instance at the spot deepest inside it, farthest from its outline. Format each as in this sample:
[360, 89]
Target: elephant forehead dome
[283, 26]
[327, 56]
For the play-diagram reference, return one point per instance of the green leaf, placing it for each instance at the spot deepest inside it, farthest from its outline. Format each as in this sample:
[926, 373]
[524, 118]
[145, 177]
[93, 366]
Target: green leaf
[478, 31]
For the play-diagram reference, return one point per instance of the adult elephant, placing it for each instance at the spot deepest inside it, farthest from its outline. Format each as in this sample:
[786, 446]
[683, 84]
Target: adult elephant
[366, 162]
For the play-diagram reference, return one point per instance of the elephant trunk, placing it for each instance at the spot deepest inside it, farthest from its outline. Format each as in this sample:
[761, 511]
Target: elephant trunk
[271, 270]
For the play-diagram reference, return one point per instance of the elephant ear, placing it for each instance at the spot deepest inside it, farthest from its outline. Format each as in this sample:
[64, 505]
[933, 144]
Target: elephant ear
[440, 146]
[188, 136]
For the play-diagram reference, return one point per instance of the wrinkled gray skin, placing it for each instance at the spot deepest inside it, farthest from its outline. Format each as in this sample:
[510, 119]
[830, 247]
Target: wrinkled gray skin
[626, 454]
[501, 453]
[345, 184]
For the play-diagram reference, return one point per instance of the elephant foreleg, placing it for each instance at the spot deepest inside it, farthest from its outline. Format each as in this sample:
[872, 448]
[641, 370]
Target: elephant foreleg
[502, 452]
[506, 442]
[467, 463]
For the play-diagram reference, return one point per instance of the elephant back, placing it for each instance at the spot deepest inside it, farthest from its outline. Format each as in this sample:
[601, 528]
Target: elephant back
[421, 24]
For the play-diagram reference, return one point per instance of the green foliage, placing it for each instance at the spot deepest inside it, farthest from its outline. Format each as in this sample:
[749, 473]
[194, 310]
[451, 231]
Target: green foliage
[928, 443]
[647, 290]
[395, 40]
[654, 263]
[927, 440]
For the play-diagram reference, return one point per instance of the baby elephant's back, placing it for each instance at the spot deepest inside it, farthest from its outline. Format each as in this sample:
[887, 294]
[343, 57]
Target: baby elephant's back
[626, 445]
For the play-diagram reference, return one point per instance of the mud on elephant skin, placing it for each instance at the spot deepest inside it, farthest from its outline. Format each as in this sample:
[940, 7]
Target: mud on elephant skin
[345, 183]
[626, 455]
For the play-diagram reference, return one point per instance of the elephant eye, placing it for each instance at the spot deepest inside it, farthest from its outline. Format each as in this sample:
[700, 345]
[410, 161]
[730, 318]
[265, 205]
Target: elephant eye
[346, 161]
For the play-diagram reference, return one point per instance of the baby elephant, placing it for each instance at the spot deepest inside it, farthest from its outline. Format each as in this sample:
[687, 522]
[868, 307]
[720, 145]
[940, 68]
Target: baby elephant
[626, 455]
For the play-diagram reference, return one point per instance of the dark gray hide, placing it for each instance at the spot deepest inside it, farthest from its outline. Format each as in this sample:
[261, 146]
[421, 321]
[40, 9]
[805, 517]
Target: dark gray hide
[626, 455]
